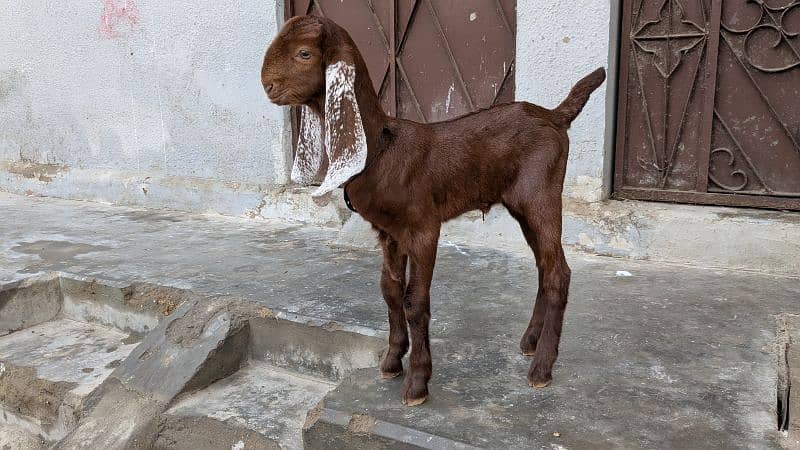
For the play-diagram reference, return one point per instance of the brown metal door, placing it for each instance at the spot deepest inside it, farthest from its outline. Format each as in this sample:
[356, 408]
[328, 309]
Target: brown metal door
[709, 102]
[430, 60]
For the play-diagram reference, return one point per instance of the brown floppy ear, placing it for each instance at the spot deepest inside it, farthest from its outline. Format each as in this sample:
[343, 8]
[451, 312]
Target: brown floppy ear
[308, 157]
[344, 138]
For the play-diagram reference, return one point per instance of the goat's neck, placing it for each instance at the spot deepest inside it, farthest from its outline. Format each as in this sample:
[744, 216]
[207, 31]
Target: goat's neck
[372, 115]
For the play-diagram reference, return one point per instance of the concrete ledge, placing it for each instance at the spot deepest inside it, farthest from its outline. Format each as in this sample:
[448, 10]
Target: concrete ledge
[328, 428]
[737, 238]
[712, 237]
[193, 194]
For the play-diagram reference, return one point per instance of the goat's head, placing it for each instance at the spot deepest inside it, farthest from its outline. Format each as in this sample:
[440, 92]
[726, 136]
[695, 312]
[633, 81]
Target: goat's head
[312, 64]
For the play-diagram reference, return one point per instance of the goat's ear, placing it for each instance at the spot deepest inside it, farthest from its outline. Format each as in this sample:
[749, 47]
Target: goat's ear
[308, 157]
[345, 141]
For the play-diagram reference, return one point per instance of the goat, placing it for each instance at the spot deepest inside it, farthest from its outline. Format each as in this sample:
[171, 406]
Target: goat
[407, 178]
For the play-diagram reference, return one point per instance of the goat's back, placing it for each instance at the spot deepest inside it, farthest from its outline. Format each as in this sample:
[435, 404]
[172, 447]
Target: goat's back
[469, 162]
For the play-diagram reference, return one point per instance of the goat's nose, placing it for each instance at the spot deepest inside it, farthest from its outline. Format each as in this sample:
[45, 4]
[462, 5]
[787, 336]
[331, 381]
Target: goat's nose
[268, 87]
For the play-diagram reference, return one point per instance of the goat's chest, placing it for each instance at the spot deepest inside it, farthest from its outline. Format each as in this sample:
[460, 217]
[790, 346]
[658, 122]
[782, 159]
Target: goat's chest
[385, 209]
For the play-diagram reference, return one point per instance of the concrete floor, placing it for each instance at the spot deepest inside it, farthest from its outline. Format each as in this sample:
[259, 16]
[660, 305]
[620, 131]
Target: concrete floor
[670, 356]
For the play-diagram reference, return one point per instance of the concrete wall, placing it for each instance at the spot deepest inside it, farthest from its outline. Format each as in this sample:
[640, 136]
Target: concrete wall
[159, 103]
[139, 101]
[557, 44]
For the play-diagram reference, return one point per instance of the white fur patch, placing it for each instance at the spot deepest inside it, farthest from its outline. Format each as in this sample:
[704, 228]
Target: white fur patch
[308, 159]
[345, 141]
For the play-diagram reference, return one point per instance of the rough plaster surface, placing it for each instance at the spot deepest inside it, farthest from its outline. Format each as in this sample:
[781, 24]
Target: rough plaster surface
[155, 88]
[557, 44]
[128, 94]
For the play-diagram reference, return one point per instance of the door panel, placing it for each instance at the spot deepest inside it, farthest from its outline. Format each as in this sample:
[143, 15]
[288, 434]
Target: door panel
[707, 107]
[430, 60]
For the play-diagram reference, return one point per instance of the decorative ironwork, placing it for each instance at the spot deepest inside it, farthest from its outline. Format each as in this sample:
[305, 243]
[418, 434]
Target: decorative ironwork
[707, 98]
[768, 20]
[735, 173]
[669, 38]
[732, 159]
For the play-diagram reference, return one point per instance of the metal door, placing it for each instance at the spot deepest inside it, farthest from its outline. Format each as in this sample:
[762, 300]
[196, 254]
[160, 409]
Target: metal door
[709, 102]
[430, 60]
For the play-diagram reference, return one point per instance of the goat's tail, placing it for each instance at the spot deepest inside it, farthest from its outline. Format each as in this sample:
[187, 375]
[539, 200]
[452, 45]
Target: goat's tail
[569, 109]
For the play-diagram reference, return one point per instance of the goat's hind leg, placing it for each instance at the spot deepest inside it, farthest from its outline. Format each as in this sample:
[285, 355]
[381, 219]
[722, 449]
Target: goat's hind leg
[527, 344]
[393, 288]
[542, 230]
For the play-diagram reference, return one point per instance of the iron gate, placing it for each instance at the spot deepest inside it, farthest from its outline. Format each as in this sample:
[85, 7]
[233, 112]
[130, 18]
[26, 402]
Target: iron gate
[429, 60]
[709, 102]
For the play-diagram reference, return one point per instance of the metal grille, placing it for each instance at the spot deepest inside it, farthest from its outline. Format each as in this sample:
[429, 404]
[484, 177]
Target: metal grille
[430, 60]
[708, 102]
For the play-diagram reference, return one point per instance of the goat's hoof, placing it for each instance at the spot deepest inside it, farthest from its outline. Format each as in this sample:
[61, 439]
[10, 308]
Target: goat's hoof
[414, 401]
[415, 390]
[539, 379]
[527, 347]
[390, 368]
[538, 384]
[390, 375]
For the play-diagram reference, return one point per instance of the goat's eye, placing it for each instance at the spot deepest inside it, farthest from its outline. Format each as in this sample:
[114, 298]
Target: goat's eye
[305, 54]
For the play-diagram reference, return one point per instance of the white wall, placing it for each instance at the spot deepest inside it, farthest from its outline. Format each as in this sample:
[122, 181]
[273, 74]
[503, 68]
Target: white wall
[119, 94]
[160, 104]
[558, 43]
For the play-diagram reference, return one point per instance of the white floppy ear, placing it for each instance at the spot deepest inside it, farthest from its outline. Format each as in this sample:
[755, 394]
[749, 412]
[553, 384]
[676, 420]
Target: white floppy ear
[345, 141]
[308, 157]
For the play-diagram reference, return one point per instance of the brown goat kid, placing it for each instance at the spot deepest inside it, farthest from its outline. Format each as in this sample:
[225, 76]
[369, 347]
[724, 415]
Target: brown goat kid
[406, 178]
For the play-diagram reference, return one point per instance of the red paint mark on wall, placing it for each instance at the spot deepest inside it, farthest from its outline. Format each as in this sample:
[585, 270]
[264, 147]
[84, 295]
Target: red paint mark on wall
[119, 17]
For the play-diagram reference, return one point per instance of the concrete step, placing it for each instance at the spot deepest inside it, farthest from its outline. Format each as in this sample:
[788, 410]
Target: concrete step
[269, 400]
[50, 369]
[60, 340]
[292, 363]
[87, 363]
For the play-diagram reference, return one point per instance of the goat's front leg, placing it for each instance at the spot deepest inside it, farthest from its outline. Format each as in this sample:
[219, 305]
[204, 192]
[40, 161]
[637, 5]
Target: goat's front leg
[393, 288]
[417, 305]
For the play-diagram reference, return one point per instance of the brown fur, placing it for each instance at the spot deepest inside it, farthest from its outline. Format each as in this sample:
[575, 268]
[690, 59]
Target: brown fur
[420, 175]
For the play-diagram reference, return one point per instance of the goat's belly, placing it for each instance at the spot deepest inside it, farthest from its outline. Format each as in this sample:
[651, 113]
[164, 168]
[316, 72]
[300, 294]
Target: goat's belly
[452, 213]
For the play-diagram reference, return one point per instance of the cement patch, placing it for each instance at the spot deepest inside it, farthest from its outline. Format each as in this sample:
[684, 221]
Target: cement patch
[67, 351]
